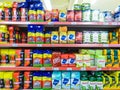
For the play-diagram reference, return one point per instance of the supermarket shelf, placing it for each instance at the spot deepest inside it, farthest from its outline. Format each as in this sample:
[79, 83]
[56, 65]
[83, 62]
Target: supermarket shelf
[18, 23]
[62, 45]
[112, 89]
[102, 24]
[80, 24]
[56, 68]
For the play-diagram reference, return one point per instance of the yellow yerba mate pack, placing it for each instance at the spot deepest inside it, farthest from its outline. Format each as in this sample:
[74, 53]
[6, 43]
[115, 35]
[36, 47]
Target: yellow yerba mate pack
[109, 61]
[107, 52]
[116, 61]
[113, 37]
[54, 37]
[114, 81]
[63, 37]
[106, 81]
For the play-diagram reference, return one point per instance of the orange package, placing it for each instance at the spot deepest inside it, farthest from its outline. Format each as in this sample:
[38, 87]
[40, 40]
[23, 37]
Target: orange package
[64, 60]
[19, 57]
[63, 29]
[11, 34]
[18, 80]
[12, 56]
[56, 62]
[55, 15]
[28, 78]
[28, 57]
[71, 58]
[48, 16]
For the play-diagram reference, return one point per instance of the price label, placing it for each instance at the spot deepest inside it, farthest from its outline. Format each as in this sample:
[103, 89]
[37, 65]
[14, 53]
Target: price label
[99, 69]
[50, 23]
[105, 45]
[114, 23]
[73, 23]
[69, 69]
[83, 69]
[42, 68]
[55, 68]
[14, 45]
[39, 45]
[106, 23]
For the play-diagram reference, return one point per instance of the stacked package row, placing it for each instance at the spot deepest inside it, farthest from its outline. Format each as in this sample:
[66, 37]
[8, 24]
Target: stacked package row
[38, 35]
[60, 80]
[62, 58]
[33, 10]
[12, 34]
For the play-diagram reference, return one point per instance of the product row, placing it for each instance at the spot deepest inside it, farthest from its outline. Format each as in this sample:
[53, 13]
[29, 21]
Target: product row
[12, 34]
[58, 80]
[37, 34]
[34, 11]
[61, 58]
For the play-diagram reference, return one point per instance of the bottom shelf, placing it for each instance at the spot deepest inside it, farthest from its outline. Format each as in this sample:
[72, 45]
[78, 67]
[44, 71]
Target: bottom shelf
[112, 89]
[57, 69]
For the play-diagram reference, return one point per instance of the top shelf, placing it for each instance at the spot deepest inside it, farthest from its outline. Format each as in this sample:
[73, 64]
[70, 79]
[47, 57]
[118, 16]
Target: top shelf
[79, 24]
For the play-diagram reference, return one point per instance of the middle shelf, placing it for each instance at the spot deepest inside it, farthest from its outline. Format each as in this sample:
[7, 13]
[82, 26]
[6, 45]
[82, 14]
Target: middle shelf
[62, 45]
[57, 69]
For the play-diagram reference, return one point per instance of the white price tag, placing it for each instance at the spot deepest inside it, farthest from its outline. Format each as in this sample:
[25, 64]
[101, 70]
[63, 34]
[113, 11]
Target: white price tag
[43, 68]
[55, 68]
[114, 23]
[69, 69]
[73, 23]
[50, 23]
[105, 45]
[83, 69]
[105, 23]
[99, 69]
[14, 45]
[39, 45]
